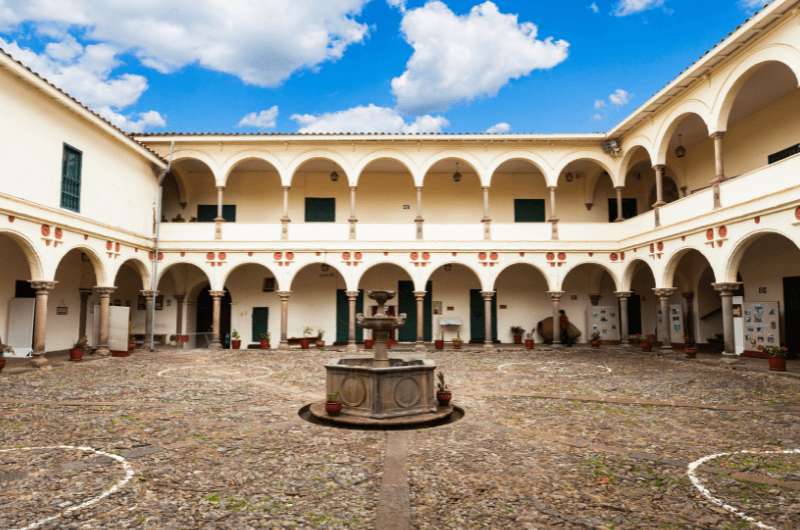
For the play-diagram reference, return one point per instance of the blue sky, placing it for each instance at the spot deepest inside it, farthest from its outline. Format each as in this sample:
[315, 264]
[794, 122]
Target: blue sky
[359, 65]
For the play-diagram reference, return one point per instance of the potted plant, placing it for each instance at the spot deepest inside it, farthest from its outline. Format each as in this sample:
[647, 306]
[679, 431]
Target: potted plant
[236, 340]
[595, 341]
[457, 342]
[646, 344]
[529, 342]
[443, 394]
[690, 348]
[517, 332]
[264, 340]
[320, 341]
[305, 342]
[777, 358]
[439, 343]
[332, 405]
[76, 353]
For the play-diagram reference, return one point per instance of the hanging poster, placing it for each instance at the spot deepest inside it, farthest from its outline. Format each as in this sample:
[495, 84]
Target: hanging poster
[603, 320]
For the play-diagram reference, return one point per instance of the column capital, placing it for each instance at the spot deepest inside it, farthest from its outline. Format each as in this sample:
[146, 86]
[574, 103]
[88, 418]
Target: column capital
[284, 295]
[659, 167]
[420, 295]
[147, 293]
[487, 295]
[552, 188]
[619, 188]
[286, 188]
[719, 135]
[179, 297]
[220, 188]
[104, 291]
[352, 295]
[623, 294]
[216, 294]
[353, 188]
[555, 295]
[484, 188]
[726, 288]
[40, 285]
[664, 292]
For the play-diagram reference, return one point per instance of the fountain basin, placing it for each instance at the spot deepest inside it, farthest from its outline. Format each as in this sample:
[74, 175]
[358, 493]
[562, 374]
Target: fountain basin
[369, 389]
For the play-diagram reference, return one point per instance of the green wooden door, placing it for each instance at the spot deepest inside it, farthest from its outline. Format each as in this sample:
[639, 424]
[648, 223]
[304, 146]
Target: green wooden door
[528, 210]
[342, 316]
[427, 328]
[260, 322]
[407, 304]
[477, 317]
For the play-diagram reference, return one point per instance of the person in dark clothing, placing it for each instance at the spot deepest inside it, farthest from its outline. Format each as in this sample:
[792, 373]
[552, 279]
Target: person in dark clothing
[563, 329]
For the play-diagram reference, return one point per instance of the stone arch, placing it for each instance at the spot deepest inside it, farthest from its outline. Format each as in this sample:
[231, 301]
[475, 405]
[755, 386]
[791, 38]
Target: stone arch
[670, 269]
[264, 156]
[318, 154]
[532, 158]
[288, 283]
[139, 266]
[630, 271]
[279, 282]
[485, 283]
[604, 267]
[734, 259]
[29, 251]
[533, 266]
[671, 123]
[358, 279]
[785, 54]
[386, 154]
[603, 161]
[625, 164]
[163, 272]
[186, 154]
[100, 271]
[462, 156]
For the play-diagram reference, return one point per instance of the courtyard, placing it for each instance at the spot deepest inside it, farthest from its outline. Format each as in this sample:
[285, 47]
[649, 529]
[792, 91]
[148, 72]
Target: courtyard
[567, 438]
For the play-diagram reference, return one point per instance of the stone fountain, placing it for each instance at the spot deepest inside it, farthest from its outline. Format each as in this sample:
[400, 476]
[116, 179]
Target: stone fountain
[381, 391]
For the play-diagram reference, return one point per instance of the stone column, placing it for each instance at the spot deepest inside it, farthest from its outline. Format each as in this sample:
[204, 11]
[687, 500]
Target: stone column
[149, 300]
[219, 219]
[553, 214]
[179, 301]
[419, 220]
[691, 337]
[284, 295]
[663, 295]
[85, 293]
[726, 291]
[42, 290]
[624, 326]
[285, 217]
[216, 317]
[488, 343]
[352, 298]
[487, 218]
[419, 296]
[104, 295]
[659, 169]
[555, 296]
[618, 191]
[353, 220]
[719, 166]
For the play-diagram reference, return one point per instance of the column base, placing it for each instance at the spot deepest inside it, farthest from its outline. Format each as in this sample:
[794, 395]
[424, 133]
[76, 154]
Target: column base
[625, 342]
[730, 358]
[284, 345]
[420, 347]
[488, 347]
[102, 351]
[351, 348]
[215, 345]
[40, 362]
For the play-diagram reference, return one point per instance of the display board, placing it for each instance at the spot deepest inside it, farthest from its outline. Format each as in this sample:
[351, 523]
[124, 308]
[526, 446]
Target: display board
[19, 330]
[762, 325]
[677, 330]
[603, 320]
[118, 327]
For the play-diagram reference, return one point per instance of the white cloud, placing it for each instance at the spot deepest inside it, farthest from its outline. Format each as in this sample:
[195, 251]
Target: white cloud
[85, 72]
[265, 119]
[754, 5]
[369, 118]
[262, 42]
[620, 97]
[399, 4]
[598, 117]
[599, 104]
[458, 58]
[631, 7]
[594, 8]
[499, 128]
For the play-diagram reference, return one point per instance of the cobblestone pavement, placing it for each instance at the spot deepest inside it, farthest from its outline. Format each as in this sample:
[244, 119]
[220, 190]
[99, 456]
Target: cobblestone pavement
[575, 438]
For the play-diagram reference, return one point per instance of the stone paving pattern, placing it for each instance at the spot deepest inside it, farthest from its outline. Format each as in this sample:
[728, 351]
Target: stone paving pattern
[574, 438]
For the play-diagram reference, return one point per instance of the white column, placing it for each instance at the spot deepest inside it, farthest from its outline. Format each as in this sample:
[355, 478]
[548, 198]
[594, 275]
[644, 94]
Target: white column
[353, 218]
[618, 191]
[42, 290]
[726, 291]
[553, 213]
[352, 298]
[659, 169]
[419, 296]
[719, 166]
[284, 296]
[419, 220]
[487, 218]
[285, 217]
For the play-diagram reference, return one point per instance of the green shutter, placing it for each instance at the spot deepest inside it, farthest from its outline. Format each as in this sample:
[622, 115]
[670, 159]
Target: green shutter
[528, 210]
[206, 213]
[71, 161]
[320, 210]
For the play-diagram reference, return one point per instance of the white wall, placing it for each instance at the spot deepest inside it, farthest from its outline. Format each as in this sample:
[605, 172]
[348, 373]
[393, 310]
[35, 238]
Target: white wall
[73, 274]
[313, 301]
[521, 289]
[452, 289]
[246, 286]
[15, 267]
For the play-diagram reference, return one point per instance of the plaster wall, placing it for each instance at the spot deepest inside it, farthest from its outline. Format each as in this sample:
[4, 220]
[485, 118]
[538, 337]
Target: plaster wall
[452, 288]
[15, 267]
[521, 289]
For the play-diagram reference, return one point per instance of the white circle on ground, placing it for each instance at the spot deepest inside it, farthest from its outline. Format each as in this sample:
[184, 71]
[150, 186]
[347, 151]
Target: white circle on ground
[552, 367]
[85, 504]
[266, 372]
[697, 483]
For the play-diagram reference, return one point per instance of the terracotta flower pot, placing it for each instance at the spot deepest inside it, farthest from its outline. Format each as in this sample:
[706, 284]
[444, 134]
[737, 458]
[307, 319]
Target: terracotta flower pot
[305, 343]
[690, 351]
[369, 343]
[517, 339]
[264, 344]
[439, 344]
[236, 344]
[444, 398]
[529, 344]
[320, 344]
[595, 344]
[76, 354]
[777, 364]
[647, 346]
[333, 408]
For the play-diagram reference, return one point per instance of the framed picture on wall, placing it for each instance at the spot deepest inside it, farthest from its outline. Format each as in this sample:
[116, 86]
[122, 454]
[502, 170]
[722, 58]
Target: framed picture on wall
[269, 285]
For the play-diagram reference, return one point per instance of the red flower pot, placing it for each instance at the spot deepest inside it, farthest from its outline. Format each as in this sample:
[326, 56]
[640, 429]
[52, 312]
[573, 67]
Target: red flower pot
[595, 344]
[647, 346]
[369, 343]
[690, 351]
[444, 398]
[304, 343]
[264, 344]
[777, 364]
[236, 344]
[517, 339]
[76, 354]
[438, 344]
[333, 408]
[529, 344]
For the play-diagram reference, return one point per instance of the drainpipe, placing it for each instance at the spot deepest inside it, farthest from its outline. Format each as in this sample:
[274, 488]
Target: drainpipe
[154, 274]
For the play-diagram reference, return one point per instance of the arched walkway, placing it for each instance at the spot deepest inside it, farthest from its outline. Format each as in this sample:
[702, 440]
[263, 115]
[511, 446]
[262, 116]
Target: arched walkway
[185, 307]
[253, 187]
[521, 299]
[518, 193]
[691, 274]
[254, 289]
[584, 193]
[386, 193]
[457, 300]
[77, 273]
[17, 300]
[313, 303]
[189, 193]
[448, 178]
[320, 192]
[590, 302]
[388, 276]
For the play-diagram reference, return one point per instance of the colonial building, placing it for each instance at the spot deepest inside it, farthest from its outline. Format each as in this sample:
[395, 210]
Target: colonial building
[692, 201]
